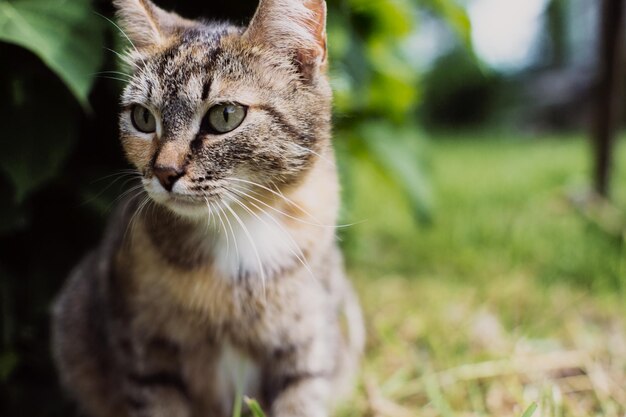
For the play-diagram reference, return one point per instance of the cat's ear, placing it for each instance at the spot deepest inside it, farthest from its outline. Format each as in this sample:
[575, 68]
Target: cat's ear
[147, 25]
[297, 26]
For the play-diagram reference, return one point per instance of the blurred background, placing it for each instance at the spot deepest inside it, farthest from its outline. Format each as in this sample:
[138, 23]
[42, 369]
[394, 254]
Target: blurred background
[482, 172]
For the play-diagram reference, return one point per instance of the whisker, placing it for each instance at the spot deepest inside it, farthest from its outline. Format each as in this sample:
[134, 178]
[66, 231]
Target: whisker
[337, 226]
[301, 256]
[120, 172]
[125, 59]
[113, 72]
[121, 31]
[217, 212]
[323, 158]
[131, 223]
[208, 220]
[240, 190]
[126, 193]
[278, 194]
[112, 78]
[118, 176]
[232, 232]
[254, 248]
[212, 219]
[127, 180]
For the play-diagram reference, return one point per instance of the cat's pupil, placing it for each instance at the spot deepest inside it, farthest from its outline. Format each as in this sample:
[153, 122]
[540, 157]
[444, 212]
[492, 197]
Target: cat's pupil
[227, 111]
[145, 116]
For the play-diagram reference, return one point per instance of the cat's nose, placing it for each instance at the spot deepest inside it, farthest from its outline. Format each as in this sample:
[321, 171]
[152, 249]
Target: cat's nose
[168, 175]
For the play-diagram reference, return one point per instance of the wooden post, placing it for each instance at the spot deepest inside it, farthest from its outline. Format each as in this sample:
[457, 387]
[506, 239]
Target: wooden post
[609, 91]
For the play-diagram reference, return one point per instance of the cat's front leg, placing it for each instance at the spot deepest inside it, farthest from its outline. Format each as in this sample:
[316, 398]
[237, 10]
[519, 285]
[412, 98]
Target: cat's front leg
[301, 372]
[305, 395]
[152, 384]
[156, 395]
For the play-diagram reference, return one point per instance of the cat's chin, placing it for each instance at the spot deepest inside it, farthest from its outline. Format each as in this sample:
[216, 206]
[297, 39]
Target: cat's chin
[187, 208]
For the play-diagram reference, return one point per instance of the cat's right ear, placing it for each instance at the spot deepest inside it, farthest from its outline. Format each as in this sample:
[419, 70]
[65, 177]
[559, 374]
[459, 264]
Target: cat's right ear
[145, 24]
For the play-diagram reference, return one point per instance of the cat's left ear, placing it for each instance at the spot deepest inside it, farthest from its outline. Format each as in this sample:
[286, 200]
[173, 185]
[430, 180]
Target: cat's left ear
[294, 26]
[147, 25]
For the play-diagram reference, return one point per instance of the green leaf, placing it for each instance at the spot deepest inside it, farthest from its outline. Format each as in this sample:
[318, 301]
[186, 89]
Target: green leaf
[530, 410]
[40, 125]
[396, 149]
[254, 407]
[65, 34]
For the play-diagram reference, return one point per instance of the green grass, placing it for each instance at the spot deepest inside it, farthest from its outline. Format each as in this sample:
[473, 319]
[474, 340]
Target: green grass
[510, 297]
[502, 208]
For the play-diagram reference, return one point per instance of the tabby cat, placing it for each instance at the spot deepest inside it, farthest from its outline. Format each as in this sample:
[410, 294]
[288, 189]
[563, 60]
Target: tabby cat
[223, 275]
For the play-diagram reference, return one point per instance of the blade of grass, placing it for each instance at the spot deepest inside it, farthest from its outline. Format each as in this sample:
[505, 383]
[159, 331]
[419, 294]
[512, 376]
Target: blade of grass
[238, 401]
[254, 406]
[433, 391]
[530, 410]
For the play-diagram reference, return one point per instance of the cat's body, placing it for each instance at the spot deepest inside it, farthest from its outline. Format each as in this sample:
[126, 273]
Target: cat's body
[231, 277]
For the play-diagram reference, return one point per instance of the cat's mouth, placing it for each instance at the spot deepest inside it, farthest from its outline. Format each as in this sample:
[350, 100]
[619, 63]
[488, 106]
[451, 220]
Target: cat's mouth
[192, 206]
[189, 203]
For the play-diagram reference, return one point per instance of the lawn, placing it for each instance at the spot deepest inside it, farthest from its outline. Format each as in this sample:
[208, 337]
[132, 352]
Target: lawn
[509, 297]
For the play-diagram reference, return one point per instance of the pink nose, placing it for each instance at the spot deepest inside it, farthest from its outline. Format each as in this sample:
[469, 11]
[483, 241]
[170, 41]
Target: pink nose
[168, 175]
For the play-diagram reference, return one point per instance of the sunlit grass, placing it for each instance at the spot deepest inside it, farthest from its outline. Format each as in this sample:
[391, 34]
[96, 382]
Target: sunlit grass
[510, 298]
[501, 207]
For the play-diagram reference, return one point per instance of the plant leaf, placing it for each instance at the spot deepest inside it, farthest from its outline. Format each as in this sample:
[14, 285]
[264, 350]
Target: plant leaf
[396, 149]
[65, 34]
[40, 126]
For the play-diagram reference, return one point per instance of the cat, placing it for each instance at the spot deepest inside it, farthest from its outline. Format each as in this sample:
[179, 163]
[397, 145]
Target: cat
[223, 275]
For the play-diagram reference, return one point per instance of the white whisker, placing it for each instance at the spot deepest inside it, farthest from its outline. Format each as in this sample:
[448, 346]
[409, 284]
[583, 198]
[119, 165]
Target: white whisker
[253, 244]
[126, 193]
[232, 232]
[208, 217]
[121, 172]
[301, 256]
[123, 58]
[323, 158]
[121, 31]
[118, 176]
[112, 78]
[241, 191]
[211, 219]
[131, 223]
[217, 212]
[123, 74]
[278, 194]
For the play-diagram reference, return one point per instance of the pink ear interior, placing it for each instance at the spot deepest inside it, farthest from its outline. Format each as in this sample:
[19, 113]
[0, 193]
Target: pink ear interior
[297, 26]
[147, 25]
[318, 7]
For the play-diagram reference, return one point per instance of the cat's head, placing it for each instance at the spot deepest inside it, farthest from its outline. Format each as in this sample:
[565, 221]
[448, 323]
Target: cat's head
[212, 109]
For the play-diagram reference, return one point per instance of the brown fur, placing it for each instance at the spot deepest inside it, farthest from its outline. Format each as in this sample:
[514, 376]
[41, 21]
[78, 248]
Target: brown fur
[240, 258]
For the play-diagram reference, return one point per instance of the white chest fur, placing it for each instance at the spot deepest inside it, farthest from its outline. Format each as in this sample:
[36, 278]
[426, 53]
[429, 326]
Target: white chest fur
[237, 374]
[253, 244]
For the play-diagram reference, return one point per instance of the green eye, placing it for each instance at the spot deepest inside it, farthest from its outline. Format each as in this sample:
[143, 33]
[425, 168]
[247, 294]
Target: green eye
[143, 120]
[223, 118]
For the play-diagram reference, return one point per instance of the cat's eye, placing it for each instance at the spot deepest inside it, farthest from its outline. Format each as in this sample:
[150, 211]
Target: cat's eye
[143, 119]
[223, 118]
